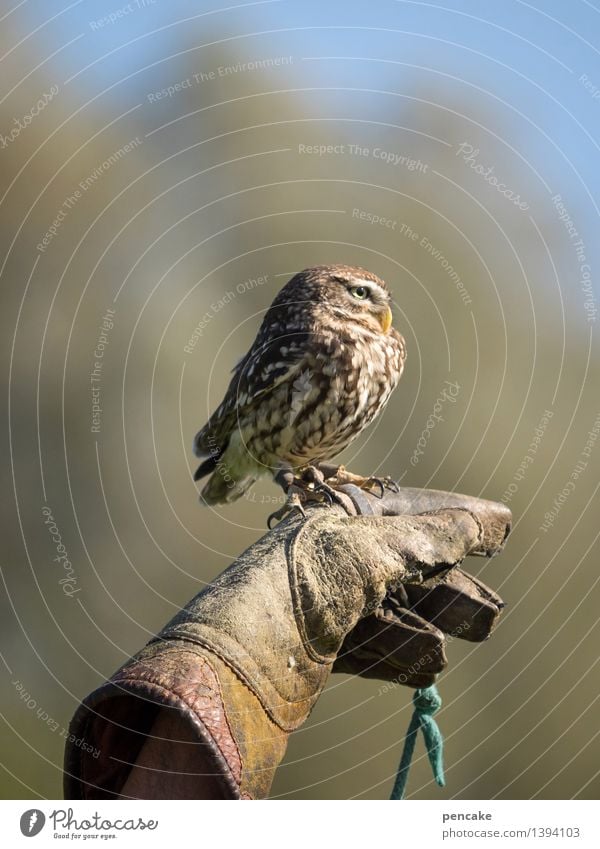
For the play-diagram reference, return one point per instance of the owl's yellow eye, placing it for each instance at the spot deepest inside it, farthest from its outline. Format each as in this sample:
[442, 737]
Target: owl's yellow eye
[360, 292]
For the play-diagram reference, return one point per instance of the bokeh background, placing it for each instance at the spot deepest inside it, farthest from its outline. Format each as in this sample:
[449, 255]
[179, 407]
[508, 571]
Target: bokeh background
[169, 167]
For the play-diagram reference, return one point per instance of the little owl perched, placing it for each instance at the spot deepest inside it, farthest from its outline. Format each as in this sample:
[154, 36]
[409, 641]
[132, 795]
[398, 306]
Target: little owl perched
[322, 366]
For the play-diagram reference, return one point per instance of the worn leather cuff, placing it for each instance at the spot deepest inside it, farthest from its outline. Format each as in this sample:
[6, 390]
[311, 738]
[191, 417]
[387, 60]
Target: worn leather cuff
[226, 742]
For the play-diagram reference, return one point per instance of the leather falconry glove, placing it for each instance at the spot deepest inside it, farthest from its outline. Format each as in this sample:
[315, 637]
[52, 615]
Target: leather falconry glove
[205, 709]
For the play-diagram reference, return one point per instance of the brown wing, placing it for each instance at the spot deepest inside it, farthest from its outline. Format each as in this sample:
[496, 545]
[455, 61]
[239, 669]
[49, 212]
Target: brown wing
[265, 366]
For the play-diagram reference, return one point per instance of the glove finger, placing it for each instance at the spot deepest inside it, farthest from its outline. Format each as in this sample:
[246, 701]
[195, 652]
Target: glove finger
[393, 644]
[457, 604]
[495, 517]
[424, 542]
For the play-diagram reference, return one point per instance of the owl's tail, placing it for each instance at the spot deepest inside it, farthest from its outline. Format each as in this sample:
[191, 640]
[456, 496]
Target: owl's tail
[223, 488]
[232, 472]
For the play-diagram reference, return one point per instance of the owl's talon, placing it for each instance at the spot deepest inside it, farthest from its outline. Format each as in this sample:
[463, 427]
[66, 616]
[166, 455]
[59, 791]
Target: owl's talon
[391, 484]
[325, 492]
[330, 494]
[320, 486]
[386, 483]
[377, 482]
[292, 502]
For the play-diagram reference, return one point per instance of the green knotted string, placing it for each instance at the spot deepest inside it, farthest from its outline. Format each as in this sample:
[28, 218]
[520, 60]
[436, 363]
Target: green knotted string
[427, 701]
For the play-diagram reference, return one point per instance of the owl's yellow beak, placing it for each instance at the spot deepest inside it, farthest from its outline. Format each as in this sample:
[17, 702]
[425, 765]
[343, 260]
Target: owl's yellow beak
[386, 319]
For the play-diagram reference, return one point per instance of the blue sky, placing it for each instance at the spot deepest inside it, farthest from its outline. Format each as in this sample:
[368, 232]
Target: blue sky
[532, 57]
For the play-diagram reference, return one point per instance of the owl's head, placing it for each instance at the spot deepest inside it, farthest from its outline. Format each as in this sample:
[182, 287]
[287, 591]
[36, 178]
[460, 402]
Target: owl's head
[343, 293]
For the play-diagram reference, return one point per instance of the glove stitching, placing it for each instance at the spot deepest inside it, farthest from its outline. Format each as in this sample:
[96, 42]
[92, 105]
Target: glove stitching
[299, 617]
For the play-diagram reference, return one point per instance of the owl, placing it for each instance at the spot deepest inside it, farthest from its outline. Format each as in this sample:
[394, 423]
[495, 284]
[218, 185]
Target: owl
[323, 365]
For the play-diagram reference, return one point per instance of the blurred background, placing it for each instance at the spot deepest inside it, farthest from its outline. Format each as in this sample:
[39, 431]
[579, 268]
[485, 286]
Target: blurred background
[164, 168]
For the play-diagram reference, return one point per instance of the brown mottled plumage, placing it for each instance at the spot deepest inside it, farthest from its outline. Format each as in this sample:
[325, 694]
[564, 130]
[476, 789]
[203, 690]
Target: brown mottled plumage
[322, 366]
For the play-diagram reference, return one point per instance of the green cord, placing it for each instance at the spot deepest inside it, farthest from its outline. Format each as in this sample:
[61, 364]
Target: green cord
[427, 701]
